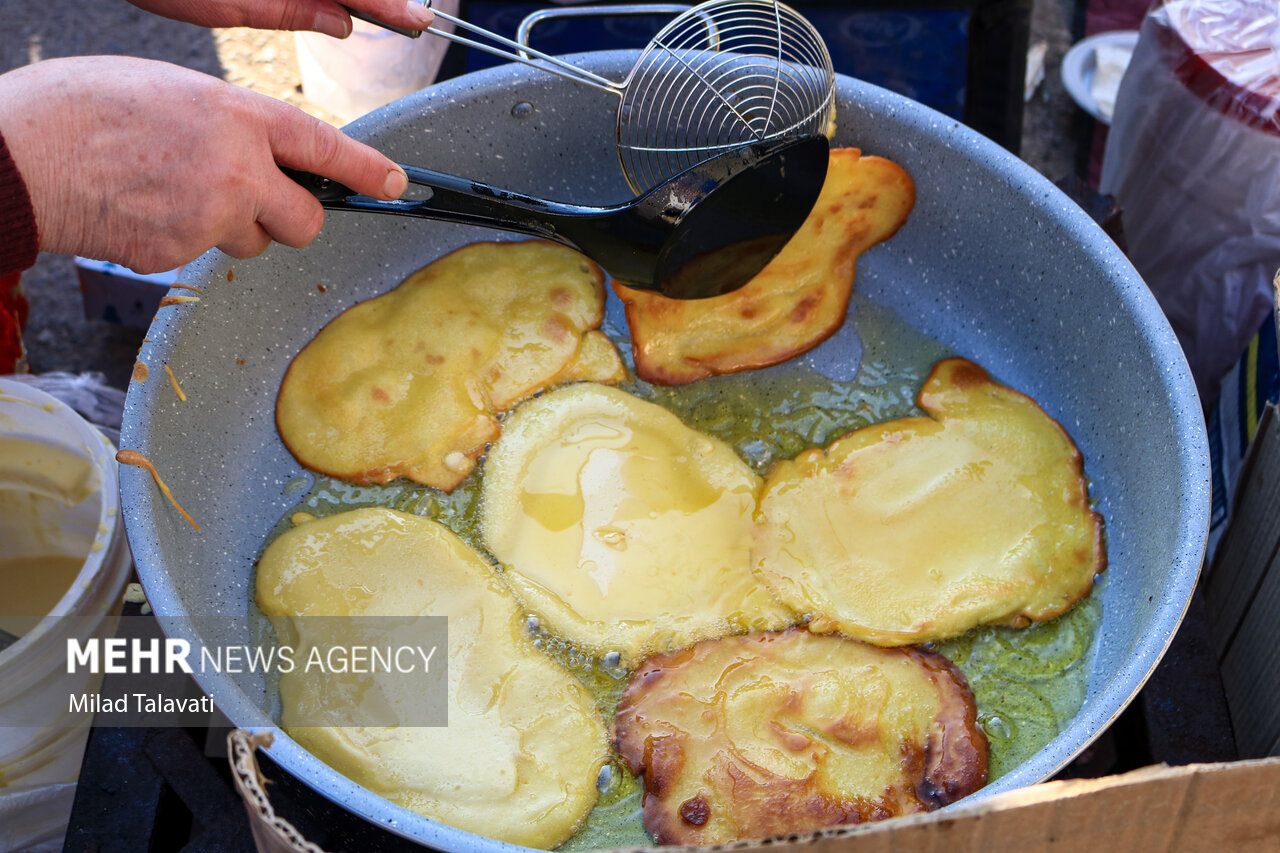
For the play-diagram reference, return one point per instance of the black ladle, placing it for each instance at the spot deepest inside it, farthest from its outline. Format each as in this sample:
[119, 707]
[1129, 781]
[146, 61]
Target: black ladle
[706, 231]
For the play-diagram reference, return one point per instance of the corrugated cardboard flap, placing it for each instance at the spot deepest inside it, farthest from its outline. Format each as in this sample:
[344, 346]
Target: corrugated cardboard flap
[1222, 808]
[271, 833]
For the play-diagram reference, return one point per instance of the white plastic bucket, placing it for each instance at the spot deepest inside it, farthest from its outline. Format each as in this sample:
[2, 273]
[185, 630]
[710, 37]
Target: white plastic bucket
[369, 68]
[59, 498]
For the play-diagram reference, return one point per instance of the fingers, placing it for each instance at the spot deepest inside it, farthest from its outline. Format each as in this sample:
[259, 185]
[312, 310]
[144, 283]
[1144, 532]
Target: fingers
[303, 142]
[289, 214]
[330, 17]
[324, 16]
[408, 14]
[248, 242]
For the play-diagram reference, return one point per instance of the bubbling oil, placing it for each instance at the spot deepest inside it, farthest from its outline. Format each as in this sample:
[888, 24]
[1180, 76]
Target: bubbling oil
[1028, 683]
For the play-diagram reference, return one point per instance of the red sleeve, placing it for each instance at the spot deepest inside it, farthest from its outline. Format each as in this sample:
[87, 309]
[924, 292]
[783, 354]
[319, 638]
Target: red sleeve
[19, 243]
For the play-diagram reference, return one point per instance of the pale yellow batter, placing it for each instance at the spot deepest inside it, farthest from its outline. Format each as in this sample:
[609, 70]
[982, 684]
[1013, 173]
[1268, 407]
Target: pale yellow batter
[32, 586]
[519, 759]
[40, 480]
[626, 530]
[921, 528]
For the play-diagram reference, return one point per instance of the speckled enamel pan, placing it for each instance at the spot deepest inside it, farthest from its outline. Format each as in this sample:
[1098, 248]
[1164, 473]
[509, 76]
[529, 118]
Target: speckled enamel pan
[994, 262]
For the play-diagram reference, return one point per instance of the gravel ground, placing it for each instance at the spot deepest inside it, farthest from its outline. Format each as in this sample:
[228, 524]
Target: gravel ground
[60, 338]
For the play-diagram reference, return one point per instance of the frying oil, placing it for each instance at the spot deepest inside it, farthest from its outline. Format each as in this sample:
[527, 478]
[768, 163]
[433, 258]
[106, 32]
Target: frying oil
[1028, 683]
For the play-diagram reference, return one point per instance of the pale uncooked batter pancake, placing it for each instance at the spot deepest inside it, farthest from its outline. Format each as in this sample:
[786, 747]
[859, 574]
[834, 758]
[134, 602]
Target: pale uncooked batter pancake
[919, 529]
[519, 759]
[624, 529]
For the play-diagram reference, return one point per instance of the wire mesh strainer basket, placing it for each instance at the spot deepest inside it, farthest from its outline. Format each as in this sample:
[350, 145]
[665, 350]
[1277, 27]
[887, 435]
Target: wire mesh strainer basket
[721, 74]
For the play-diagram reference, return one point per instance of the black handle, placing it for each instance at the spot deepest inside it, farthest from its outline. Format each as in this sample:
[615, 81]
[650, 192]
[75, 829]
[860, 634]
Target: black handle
[454, 199]
[326, 190]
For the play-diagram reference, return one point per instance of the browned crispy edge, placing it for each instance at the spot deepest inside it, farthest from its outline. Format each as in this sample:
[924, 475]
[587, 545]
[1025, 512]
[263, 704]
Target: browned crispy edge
[952, 764]
[695, 369]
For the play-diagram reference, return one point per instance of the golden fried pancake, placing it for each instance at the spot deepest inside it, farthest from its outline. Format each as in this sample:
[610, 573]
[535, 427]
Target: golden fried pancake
[519, 759]
[921, 528]
[624, 529]
[597, 360]
[795, 303]
[765, 734]
[407, 384]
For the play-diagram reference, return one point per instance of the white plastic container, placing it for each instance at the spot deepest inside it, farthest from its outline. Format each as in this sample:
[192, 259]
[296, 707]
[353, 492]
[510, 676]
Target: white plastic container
[369, 68]
[59, 505]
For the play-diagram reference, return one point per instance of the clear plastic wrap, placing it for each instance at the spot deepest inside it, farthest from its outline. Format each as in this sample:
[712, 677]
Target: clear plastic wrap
[1193, 157]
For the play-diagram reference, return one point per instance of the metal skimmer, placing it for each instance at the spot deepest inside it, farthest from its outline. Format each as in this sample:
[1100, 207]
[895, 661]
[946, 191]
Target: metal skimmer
[720, 74]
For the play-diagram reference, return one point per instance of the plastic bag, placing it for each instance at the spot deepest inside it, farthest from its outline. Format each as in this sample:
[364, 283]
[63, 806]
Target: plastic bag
[33, 818]
[1193, 157]
[87, 393]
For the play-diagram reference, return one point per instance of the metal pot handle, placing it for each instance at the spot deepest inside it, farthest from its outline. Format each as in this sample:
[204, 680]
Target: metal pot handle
[525, 30]
[519, 49]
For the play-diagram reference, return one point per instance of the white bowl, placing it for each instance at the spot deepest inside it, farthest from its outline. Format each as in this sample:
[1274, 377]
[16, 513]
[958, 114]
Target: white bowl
[1081, 63]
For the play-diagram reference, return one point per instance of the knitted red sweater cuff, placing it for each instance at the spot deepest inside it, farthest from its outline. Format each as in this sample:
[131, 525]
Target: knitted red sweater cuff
[19, 241]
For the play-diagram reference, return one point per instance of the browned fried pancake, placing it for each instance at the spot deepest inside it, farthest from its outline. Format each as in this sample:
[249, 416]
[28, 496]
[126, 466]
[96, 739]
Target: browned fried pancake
[919, 529]
[795, 303]
[770, 733]
[408, 384]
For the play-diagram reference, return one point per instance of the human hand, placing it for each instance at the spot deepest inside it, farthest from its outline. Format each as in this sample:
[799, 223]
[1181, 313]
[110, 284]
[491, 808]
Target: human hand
[149, 164]
[324, 16]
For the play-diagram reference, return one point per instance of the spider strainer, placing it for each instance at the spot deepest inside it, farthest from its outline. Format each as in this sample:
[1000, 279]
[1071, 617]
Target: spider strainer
[722, 73]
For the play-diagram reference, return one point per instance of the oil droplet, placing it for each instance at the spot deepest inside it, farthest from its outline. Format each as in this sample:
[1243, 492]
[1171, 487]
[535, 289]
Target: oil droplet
[995, 726]
[297, 484]
[611, 536]
[607, 779]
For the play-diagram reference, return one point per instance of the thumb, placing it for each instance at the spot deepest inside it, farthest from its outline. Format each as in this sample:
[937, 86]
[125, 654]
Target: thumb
[301, 141]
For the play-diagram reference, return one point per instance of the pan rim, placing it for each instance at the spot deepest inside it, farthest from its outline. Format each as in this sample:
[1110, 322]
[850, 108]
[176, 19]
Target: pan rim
[141, 504]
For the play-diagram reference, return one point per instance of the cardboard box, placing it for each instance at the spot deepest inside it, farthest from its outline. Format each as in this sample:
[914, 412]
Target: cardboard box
[1214, 808]
[117, 294]
[1243, 593]
[1241, 585]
